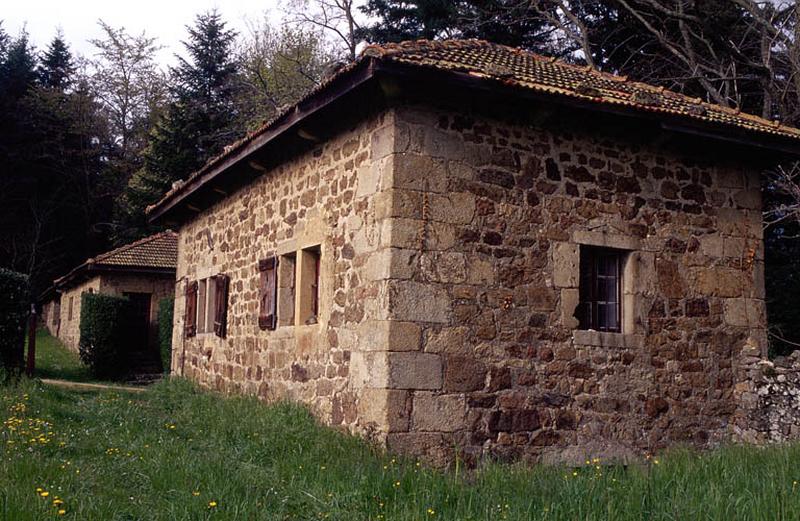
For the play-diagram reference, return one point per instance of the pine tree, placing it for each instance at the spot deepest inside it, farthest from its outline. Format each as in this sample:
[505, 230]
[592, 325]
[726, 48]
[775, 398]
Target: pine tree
[56, 67]
[199, 121]
[508, 22]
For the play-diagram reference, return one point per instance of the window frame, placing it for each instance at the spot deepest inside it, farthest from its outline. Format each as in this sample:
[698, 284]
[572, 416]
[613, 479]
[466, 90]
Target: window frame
[590, 299]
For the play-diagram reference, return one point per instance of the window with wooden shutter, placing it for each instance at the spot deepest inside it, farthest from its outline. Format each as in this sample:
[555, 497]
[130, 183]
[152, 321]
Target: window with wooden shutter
[221, 305]
[268, 291]
[190, 313]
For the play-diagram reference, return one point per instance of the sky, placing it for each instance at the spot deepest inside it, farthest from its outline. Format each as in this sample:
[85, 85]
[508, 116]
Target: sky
[164, 19]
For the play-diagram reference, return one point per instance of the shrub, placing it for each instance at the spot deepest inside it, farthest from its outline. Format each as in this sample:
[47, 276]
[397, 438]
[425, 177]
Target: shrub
[165, 315]
[14, 307]
[105, 334]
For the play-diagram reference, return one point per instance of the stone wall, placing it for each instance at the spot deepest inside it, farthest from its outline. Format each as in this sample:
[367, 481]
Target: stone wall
[488, 216]
[50, 316]
[770, 410]
[324, 199]
[69, 331]
[159, 286]
[450, 248]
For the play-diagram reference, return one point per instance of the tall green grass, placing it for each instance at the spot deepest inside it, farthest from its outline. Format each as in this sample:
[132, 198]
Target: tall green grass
[177, 453]
[53, 360]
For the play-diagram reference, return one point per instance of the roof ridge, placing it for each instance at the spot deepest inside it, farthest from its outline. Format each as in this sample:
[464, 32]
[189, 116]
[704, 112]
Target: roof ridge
[126, 247]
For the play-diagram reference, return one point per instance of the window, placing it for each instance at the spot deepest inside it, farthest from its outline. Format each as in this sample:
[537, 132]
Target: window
[207, 306]
[308, 286]
[268, 290]
[600, 289]
[210, 305]
[286, 289]
[69, 309]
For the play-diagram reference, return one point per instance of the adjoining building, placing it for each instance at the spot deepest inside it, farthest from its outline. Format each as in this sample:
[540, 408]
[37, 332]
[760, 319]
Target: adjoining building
[143, 271]
[460, 245]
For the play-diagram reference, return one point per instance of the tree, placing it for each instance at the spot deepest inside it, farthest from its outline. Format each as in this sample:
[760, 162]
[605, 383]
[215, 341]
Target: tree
[278, 67]
[56, 66]
[50, 143]
[130, 89]
[510, 22]
[201, 117]
[336, 18]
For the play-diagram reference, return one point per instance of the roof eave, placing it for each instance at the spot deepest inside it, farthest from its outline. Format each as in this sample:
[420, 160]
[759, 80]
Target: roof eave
[366, 71]
[305, 109]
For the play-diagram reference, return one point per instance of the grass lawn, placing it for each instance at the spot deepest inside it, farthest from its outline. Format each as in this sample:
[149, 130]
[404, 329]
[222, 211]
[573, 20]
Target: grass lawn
[177, 453]
[53, 360]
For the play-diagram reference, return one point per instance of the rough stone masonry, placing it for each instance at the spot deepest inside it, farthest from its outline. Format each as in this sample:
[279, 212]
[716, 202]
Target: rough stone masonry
[450, 243]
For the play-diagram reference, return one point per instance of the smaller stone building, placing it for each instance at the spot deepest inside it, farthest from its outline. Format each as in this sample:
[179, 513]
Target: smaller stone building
[144, 271]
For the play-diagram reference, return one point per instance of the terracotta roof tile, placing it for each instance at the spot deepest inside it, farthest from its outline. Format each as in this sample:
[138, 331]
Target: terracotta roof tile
[157, 251]
[544, 74]
[524, 69]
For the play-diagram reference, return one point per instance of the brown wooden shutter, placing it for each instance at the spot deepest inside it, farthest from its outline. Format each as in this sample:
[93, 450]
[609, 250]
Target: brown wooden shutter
[221, 305]
[268, 292]
[190, 317]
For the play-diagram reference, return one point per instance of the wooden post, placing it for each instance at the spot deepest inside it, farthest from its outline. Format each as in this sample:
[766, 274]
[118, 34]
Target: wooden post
[31, 366]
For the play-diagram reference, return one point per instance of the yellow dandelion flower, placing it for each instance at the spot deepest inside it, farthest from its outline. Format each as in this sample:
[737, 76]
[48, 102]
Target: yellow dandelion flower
[57, 502]
[39, 490]
[196, 493]
[212, 504]
[44, 493]
[431, 512]
[396, 484]
[61, 512]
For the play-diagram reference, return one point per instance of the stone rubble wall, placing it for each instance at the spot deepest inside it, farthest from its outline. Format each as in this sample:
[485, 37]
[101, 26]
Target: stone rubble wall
[48, 318]
[69, 332]
[770, 410]
[324, 197]
[450, 244]
[488, 215]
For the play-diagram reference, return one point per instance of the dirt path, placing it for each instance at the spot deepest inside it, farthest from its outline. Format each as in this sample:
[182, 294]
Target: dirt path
[92, 387]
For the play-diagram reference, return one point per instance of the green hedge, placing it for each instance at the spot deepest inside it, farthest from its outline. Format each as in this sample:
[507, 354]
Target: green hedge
[166, 310]
[15, 305]
[105, 334]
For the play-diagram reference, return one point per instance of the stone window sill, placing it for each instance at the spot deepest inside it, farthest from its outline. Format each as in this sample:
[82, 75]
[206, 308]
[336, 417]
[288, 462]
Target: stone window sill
[605, 339]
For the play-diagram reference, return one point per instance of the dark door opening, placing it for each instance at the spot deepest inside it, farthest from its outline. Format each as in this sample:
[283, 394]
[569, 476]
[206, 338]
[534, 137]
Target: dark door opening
[142, 357]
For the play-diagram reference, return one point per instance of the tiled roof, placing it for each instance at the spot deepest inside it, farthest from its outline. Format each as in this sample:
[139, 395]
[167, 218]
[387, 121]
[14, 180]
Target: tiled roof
[527, 70]
[548, 75]
[157, 251]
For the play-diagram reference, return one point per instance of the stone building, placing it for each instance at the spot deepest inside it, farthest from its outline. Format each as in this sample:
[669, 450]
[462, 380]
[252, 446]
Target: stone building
[459, 245]
[144, 271]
